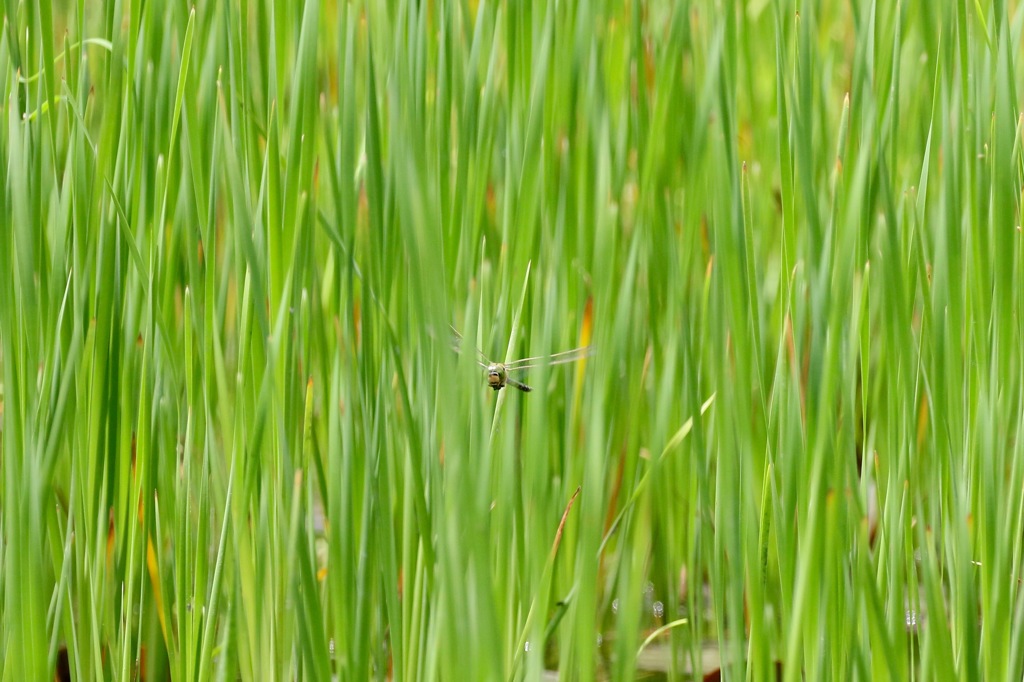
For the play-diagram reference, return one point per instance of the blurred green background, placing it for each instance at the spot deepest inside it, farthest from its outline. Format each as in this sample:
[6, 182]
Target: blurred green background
[236, 443]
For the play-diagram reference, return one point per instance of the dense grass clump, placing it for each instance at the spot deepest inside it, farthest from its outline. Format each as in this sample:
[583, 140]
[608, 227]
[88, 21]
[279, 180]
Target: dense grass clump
[236, 443]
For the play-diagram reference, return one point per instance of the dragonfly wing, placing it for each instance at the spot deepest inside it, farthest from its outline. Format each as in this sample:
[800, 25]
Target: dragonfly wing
[553, 359]
[483, 361]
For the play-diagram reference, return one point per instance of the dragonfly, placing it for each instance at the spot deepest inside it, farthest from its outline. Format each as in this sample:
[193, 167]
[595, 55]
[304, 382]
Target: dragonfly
[499, 373]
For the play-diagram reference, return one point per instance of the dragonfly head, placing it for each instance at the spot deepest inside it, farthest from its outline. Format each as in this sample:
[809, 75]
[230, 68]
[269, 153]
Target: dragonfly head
[496, 376]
